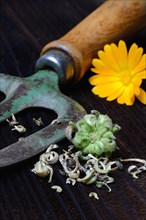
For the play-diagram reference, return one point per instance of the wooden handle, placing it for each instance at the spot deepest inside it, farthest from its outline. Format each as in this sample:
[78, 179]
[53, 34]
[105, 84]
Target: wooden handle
[112, 21]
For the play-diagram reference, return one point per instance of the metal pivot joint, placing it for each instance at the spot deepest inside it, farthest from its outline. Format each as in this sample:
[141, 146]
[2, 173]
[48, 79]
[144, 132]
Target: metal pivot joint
[59, 62]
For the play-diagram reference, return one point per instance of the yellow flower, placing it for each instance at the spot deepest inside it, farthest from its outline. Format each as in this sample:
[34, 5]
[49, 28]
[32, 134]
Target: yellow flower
[119, 73]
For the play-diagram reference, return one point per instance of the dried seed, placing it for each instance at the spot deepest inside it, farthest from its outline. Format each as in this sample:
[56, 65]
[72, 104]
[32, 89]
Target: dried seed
[134, 170]
[13, 121]
[50, 158]
[19, 128]
[43, 170]
[57, 188]
[93, 194]
[38, 121]
[13, 117]
[21, 138]
[51, 147]
[71, 181]
[40, 169]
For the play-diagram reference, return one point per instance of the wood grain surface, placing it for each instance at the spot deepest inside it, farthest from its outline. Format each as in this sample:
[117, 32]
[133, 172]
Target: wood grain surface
[26, 26]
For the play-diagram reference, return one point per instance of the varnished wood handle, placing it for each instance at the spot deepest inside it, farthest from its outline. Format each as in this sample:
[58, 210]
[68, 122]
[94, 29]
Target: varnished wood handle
[112, 21]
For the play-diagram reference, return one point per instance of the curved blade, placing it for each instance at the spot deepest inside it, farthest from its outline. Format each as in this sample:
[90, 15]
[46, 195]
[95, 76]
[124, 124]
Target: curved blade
[31, 145]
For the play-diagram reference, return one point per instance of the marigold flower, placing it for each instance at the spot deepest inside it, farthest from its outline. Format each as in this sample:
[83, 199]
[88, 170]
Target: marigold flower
[119, 73]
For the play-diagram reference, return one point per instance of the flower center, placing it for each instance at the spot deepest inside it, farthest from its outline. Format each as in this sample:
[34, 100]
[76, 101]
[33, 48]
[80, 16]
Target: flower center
[94, 136]
[125, 77]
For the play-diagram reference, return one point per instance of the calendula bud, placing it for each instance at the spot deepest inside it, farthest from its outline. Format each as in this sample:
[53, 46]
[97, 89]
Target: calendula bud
[94, 134]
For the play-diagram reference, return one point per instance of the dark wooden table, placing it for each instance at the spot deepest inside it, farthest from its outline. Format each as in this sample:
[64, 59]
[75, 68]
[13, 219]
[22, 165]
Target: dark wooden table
[25, 27]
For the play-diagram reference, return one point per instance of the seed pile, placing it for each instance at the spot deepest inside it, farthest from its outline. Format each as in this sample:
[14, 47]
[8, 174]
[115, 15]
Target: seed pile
[76, 169]
[87, 160]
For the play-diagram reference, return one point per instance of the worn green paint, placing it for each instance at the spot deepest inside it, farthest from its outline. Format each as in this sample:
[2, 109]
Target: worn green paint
[38, 90]
[28, 91]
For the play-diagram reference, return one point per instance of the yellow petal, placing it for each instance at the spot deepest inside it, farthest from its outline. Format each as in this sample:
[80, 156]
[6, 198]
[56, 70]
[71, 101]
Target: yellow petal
[134, 57]
[93, 80]
[108, 60]
[107, 89]
[140, 66]
[123, 54]
[137, 91]
[112, 62]
[141, 74]
[100, 67]
[137, 81]
[127, 97]
[94, 70]
[116, 94]
[98, 63]
[120, 99]
[102, 71]
[99, 79]
[142, 96]
[132, 100]
[116, 54]
[128, 94]
[132, 50]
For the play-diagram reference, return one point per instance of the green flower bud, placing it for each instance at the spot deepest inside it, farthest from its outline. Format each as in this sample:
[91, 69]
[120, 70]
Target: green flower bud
[94, 134]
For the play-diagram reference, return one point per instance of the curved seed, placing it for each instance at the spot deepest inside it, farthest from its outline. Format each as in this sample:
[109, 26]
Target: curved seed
[19, 128]
[71, 181]
[57, 188]
[93, 194]
[49, 158]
